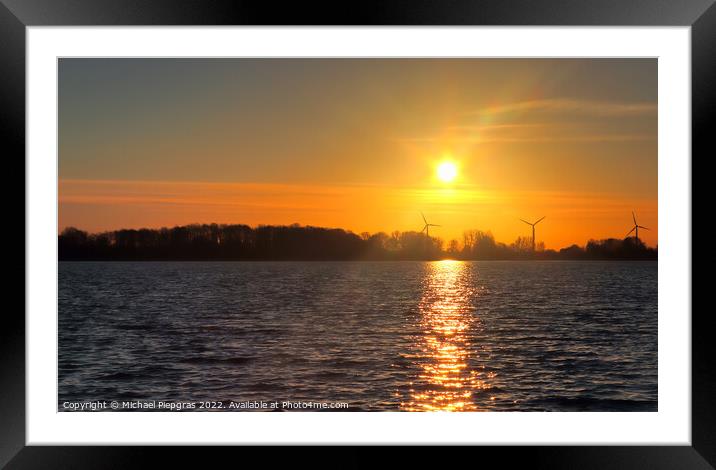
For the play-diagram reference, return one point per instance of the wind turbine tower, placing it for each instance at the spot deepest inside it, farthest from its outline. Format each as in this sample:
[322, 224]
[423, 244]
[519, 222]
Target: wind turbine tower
[636, 228]
[533, 230]
[427, 226]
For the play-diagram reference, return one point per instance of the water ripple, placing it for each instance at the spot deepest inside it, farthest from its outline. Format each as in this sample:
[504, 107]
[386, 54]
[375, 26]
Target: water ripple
[461, 336]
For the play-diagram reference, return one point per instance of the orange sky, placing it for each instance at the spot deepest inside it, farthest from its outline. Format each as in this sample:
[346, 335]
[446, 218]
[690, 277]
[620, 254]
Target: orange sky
[355, 144]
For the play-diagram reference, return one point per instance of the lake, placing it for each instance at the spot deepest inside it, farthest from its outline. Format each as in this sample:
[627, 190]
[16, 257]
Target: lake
[379, 336]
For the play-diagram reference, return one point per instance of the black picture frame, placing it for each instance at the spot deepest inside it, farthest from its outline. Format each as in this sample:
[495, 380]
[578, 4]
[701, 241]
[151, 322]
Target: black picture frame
[700, 15]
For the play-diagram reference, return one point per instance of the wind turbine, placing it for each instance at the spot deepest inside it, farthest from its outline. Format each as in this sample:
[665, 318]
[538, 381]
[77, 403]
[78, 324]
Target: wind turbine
[426, 229]
[533, 230]
[635, 228]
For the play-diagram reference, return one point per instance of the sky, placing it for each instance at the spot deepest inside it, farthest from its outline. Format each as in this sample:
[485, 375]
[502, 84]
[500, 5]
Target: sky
[356, 143]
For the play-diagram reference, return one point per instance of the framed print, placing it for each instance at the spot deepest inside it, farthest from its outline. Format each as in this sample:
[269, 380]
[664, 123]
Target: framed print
[415, 225]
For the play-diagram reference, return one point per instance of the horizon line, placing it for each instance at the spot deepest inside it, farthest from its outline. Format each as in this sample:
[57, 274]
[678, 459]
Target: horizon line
[359, 234]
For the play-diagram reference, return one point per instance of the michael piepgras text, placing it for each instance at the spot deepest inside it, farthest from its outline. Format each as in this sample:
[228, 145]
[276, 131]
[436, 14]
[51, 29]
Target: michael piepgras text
[158, 405]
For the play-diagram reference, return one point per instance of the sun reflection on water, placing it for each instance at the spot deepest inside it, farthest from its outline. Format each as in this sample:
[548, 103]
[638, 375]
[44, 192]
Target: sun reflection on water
[445, 381]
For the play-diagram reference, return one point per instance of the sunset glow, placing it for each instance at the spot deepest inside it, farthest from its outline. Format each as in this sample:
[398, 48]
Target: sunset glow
[362, 144]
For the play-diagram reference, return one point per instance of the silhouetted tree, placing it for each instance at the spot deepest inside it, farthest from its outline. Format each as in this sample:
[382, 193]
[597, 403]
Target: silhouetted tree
[453, 248]
[571, 252]
[522, 245]
[295, 242]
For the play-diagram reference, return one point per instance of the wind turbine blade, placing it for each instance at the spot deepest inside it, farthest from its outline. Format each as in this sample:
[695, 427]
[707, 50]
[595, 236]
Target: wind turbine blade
[540, 220]
[523, 220]
[633, 217]
[424, 220]
[645, 228]
[433, 225]
[630, 231]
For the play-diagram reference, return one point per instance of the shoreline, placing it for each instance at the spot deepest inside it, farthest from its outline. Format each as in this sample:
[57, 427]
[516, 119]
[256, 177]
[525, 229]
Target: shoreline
[208, 260]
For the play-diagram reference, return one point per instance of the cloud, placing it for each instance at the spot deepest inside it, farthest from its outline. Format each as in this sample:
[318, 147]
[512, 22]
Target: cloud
[538, 139]
[548, 121]
[594, 108]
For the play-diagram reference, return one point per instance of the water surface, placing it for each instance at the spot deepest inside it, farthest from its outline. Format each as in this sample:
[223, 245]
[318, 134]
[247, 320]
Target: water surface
[447, 335]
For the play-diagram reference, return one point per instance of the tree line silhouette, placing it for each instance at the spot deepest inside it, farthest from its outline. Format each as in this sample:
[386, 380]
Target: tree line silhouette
[295, 242]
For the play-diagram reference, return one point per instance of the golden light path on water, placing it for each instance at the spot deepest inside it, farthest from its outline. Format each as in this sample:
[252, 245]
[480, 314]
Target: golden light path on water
[445, 381]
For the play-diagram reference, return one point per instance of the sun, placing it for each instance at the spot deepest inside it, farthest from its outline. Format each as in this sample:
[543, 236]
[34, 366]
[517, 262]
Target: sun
[447, 171]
